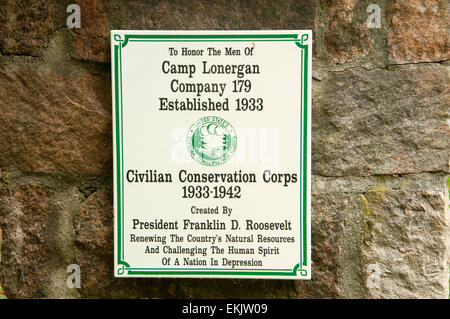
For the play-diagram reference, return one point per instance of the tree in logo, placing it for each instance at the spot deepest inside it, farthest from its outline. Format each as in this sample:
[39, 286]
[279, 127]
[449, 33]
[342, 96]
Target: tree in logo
[211, 141]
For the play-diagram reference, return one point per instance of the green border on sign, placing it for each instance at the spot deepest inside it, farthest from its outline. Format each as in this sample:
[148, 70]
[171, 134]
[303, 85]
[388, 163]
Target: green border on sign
[122, 265]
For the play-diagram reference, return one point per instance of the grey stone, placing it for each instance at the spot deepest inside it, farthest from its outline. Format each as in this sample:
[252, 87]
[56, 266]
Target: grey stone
[379, 237]
[385, 121]
[37, 245]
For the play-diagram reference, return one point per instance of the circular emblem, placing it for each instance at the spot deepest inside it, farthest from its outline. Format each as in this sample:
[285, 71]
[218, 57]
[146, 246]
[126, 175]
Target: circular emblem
[211, 141]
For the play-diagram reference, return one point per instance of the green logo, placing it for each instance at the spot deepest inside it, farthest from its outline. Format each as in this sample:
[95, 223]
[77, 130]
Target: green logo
[211, 141]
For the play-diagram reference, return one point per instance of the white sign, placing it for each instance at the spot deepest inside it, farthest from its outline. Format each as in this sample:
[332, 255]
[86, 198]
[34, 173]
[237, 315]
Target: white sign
[212, 134]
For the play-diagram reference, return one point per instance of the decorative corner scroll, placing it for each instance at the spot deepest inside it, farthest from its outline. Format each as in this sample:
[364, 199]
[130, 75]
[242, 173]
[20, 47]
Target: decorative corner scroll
[303, 272]
[304, 38]
[122, 268]
[118, 38]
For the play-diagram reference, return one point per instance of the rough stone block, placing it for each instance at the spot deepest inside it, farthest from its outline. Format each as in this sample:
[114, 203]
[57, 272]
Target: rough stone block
[418, 31]
[91, 41]
[385, 121]
[379, 237]
[347, 36]
[405, 242]
[36, 248]
[26, 26]
[55, 120]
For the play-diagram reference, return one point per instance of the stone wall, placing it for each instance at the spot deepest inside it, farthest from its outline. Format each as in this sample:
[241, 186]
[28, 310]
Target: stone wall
[380, 146]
